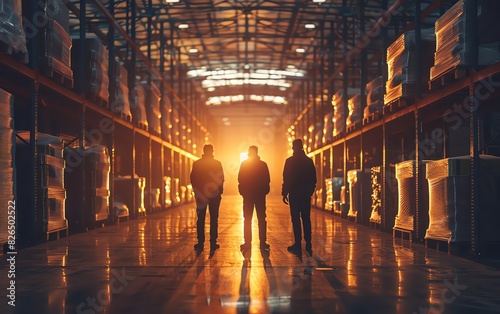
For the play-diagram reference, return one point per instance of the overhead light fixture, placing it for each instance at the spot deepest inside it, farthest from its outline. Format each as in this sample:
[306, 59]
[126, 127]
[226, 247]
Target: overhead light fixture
[211, 89]
[318, 1]
[172, 1]
[183, 26]
[193, 50]
[310, 26]
[246, 66]
[300, 50]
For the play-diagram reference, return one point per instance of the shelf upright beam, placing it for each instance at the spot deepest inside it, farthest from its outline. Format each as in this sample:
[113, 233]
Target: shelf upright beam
[385, 182]
[331, 63]
[474, 145]
[315, 102]
[418, 50]
[418, 163]
[363, 75]
[112, 100]
[133, 82]
[345, 85]
[81, 91]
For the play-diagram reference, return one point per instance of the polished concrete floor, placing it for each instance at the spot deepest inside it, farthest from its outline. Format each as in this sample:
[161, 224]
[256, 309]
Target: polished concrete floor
[149, 266]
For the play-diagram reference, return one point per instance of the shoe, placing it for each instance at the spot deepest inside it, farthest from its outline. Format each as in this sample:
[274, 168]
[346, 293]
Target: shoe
[214, 247]
[198, 246]
[309, 248]
[264, 246]
[294, 248]
[246, 246]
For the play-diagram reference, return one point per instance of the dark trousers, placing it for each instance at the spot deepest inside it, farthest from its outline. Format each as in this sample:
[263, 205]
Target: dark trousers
[300, 207]
[259, 202]
[201, 211]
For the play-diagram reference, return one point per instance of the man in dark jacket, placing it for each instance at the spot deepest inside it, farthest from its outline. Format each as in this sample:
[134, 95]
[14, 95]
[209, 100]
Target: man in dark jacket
[299, 182]
[207, 178]
[254, 179]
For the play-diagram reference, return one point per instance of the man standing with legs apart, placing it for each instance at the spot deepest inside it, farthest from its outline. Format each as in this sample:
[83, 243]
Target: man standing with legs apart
[299, 182]
[207, 178]
[254, 179]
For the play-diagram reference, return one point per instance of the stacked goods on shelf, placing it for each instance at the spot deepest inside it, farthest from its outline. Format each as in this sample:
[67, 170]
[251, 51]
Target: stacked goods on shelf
[121, 103]
[341, 208]
[374, 97]
[95, 78]
[138, 105]
[405, 174]
[153, 107]
[168, 190]
[166, 125]
[354, 107]
[401, 65]
[176, 197]
[454, 32]
[376, 182]
[54, 43]
[337, 183]
[130, 191]
[182, 128]
[94, 166]
[339, 115]
[183, 194]
[50, 216]
[354, 178]
[175, 130]
[328, 128]
[450, 198]
[7, 139]
[329, 194]
[155, 200]
[189, 193]
[12, 36]
[314, 136]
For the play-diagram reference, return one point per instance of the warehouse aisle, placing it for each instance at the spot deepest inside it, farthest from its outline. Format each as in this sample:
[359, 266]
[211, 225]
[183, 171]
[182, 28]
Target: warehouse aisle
[149, 266]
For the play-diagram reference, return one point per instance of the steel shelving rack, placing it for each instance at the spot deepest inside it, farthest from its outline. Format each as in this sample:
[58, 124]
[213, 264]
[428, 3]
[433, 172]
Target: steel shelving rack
[401, 133]
[44, 105]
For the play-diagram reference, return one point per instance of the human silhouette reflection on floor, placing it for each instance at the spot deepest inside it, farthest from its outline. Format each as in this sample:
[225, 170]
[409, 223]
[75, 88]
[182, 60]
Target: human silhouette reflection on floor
[244, 291]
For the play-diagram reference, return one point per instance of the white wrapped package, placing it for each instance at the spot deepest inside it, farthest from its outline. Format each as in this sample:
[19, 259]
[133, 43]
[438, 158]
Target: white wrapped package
[453, 46]
[339, 114]
[405, 174]
[354, 178]
[450, 199]
[376, 194]
[354, 106]
[374, 97]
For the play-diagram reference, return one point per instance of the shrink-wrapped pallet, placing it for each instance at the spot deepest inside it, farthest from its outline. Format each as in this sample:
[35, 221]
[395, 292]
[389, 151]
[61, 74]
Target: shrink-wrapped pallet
[12, 36]
[374, 97]
[450, 199]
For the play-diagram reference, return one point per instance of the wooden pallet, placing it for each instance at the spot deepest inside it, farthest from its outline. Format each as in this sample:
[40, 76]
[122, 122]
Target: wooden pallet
[352, 218]
[122, 115]
[376, 225]
[456, 248]
[57, 234]
[96, 99]
[398, 104]
[338, 136]
[57, 77]
[372, 118]
[452, 75]
[353, 127]
[19, 56]
[142, 126]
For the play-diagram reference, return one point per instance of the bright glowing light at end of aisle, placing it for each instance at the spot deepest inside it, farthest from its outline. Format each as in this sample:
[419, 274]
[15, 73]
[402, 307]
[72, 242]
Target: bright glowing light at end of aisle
[243, 157]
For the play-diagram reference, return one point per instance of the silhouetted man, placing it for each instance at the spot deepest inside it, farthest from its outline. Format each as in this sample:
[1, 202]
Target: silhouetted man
[254, 179]
[299, 182]
[207, 178]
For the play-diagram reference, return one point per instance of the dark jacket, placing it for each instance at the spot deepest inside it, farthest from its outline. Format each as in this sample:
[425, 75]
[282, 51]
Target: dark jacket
[207, 177]
[253, 177]
[299, 175]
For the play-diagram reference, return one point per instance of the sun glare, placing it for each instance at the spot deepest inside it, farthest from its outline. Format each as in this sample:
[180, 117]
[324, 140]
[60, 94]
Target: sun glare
[243, 157]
